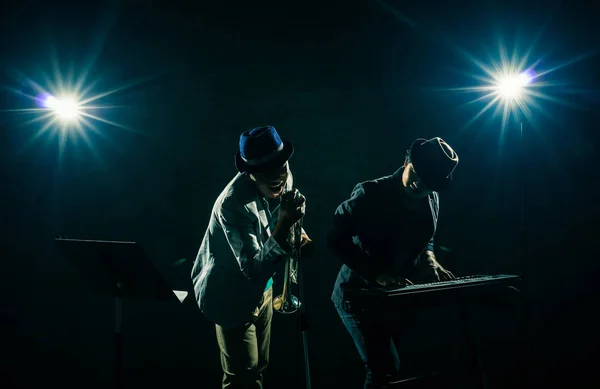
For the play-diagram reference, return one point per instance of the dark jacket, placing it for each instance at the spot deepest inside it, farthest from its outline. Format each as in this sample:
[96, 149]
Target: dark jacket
[374, 232]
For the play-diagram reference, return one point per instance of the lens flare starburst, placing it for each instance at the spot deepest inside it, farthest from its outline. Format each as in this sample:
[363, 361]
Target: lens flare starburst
[513, 85]
[61, 111]
[65, 108]
[69, 103]
[509, 85]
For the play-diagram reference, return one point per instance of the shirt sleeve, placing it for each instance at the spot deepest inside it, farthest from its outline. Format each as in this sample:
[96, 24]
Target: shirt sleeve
[255, 259]
[431, 244]
[342, 238]
[436, 211]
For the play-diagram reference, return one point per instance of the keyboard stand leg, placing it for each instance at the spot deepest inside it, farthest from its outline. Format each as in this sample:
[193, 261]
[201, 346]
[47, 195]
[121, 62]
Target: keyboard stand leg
[474, 365]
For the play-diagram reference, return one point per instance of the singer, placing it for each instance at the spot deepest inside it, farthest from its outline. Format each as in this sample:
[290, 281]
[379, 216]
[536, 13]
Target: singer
[245, 243]
[383, 235]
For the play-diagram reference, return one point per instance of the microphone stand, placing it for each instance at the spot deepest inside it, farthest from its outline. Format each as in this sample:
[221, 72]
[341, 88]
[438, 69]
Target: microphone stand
[302, 314]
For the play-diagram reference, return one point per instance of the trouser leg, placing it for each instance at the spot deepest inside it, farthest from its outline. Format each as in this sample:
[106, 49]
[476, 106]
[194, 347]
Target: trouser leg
[374, 343]
[245, 350]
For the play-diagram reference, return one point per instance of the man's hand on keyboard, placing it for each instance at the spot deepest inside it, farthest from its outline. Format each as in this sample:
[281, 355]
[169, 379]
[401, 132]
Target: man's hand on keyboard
[442, 274]
[391, 280]
[430, 270]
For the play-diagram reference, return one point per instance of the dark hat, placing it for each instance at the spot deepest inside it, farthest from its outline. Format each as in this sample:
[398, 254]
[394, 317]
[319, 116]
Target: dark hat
[434, 162]
[262, 149]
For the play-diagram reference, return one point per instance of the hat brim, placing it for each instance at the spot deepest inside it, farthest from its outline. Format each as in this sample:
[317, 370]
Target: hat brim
[282, 158]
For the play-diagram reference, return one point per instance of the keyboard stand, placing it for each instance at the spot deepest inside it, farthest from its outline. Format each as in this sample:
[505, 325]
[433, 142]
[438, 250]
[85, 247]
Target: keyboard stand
[474, 290]
[473, 367]
[473, 360]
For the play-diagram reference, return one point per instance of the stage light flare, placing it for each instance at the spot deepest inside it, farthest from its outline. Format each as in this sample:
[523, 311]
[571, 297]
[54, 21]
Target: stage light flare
[64, 108]
[511, 86]
[509, 89]
[514, 84]
[67, 110]
[68, 106]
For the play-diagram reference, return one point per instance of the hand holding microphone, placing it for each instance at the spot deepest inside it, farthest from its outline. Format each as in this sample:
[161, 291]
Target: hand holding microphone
[292, 209]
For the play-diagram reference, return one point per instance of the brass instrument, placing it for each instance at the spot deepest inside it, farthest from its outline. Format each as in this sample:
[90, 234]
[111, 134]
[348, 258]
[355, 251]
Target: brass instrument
[286, 302]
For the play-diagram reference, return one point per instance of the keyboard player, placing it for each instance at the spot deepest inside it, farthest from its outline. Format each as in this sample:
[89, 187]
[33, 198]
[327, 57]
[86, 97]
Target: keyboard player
[383, 234]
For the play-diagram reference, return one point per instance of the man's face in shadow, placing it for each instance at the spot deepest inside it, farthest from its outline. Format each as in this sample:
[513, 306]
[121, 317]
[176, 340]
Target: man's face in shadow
[413, 185]
[271, 183]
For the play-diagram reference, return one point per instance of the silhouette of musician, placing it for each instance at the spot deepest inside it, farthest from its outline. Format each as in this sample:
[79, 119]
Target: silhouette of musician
[384, 234]
[245, 243]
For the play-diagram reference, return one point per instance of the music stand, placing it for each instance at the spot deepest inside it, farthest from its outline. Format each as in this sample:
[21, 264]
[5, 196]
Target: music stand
[119, 270]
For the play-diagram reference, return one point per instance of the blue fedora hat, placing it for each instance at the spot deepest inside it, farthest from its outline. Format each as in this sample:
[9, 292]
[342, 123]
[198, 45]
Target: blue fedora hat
[434, 162]
[262, 149]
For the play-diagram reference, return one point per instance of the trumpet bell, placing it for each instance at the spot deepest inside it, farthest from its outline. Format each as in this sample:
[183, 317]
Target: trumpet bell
[286, 305]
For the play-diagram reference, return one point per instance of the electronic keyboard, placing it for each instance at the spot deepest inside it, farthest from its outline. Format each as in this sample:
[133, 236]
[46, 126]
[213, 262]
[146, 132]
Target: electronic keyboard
[462, 289]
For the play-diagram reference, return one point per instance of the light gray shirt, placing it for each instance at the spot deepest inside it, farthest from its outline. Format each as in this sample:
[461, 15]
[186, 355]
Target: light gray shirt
[238, 255]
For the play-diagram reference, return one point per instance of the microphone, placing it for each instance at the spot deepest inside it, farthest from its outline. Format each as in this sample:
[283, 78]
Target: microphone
[296, 232]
